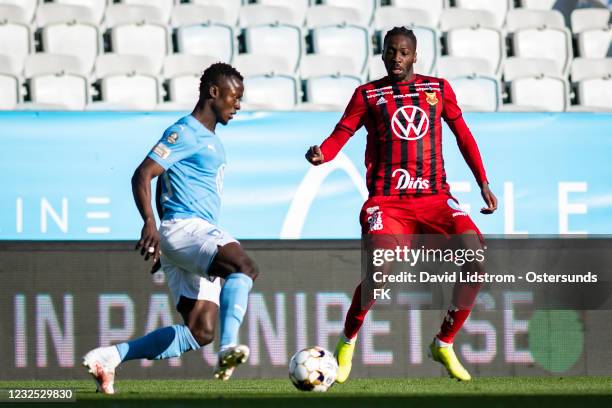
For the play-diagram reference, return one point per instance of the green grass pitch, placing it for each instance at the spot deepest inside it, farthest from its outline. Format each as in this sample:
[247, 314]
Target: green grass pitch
[540, 392]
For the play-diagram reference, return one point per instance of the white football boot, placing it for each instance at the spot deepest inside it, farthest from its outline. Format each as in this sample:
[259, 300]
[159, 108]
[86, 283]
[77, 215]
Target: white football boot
[229, 359]
[101, 363]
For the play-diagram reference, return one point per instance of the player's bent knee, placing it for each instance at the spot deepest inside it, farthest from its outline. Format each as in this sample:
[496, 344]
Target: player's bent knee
[249, 267]
[202, 335]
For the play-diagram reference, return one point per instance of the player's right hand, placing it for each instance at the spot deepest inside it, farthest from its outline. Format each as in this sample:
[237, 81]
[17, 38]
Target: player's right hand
[149, 241]
[315, 156]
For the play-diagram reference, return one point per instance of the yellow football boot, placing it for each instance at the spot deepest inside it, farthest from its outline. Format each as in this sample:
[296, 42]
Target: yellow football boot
[344, 356]
[446, 356]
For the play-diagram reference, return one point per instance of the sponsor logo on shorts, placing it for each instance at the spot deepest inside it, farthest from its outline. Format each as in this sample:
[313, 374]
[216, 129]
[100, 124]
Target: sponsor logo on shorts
[162, 150]
[406, 182]
[455, 206]
[375, 218]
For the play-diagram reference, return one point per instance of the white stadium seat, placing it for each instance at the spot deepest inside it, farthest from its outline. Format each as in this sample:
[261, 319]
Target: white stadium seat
[79, 40]
[344, 41]
[538, 4]
[298, 8]
[452, 67]
[270, 92]
[126, 82]
[594, 83]
[376, 68]
[321, 15]
[214, 40]
[191, 14]
[23, 10]
[15, 43]
[389, 17]
[256, 65]
[9, 84]
[314, 65]
[42, 64]
[231, 7]
[432, 7]
[118, 14]
[517, 67]
[540, 34]
[182, 73]
[498, 8]
[477, 93]
[148, 40]
[163, 7]
[465, 28]
[53, 13]
[185, 64]
[330, 92]
[593, 32]
[257, 14]
[283, 41]
[96, 8]
[428, 48]
[365, 8]
[543, 93]
[66, 90]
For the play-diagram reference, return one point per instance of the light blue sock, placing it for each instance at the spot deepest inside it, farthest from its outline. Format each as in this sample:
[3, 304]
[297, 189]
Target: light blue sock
[233, 305]
[167, 342]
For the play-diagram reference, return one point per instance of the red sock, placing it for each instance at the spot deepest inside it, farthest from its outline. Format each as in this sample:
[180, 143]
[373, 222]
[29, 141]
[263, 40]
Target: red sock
[453, 321]
[357, 313]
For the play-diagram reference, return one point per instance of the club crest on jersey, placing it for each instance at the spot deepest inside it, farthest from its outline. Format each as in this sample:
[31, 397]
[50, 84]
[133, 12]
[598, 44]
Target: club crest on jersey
[172, 138]
[407, 182]
[431, 98]
[410, 123]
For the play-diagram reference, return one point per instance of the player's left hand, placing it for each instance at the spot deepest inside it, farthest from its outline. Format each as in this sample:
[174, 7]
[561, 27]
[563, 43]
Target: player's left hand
[149, 242]
[489, 198]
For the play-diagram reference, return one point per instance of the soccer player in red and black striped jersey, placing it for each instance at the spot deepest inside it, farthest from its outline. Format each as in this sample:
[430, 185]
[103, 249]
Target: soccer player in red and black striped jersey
[408, 192]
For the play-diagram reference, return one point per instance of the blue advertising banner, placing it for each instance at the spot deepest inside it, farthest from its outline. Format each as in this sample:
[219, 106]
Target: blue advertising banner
[66, 176]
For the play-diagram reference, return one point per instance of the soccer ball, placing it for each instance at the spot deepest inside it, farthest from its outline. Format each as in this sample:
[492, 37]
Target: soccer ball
[313, 369]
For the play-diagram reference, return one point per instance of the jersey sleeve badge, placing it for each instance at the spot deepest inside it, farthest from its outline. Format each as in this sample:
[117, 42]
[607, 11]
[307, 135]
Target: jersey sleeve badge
[162, 150]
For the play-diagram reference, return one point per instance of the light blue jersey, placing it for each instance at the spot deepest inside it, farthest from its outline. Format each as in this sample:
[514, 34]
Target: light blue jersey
[194, 160]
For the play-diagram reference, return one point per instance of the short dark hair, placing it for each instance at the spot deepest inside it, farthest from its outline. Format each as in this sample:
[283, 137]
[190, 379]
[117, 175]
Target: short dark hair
[213, 74]
[400, 31]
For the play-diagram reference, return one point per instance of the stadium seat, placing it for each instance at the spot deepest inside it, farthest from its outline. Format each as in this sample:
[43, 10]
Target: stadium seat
[321, 15]
[314, 65]
[162, 7]
[256, 65]
[214, 40]
[454, 67]
[431, 7]
[543, 93]
[185, 64]
[9, 84]
[365, 8]
[593, 33]
[538, 4]
[389, 17]
[298, 8]
[192, 14]
[428, 48]
[343, 41]
[498, 8]
[79, 40]
[516, 67]
[56, 81]
[593, 78]
[270, 92]
[126, 82]
[540, 34]
[231, 8]
[283, 41]
[19, 10]
[53, 13]
[182, 73]
[148, 40]
[95, 8]
[119, 14]
[257, 14]
[329, 92]
[15, 43]
[376, 68]
[465, 28]
[477, 93]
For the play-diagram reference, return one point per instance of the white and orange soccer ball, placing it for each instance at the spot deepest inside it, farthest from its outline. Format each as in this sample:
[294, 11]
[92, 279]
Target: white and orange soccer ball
[313, 369]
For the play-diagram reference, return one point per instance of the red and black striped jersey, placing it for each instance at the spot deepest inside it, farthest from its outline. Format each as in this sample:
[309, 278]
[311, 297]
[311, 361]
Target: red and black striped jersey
[404, 143]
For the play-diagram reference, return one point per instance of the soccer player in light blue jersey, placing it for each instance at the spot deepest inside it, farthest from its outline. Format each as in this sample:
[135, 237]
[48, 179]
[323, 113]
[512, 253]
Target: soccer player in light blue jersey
[195, 253]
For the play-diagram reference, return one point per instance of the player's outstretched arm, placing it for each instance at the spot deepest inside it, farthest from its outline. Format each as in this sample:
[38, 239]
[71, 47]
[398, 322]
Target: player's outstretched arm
[489, 199]
[315, 156]
[141, 189]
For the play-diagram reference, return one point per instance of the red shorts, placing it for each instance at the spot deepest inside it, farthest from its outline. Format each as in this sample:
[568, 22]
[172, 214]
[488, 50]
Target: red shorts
[426, 214]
